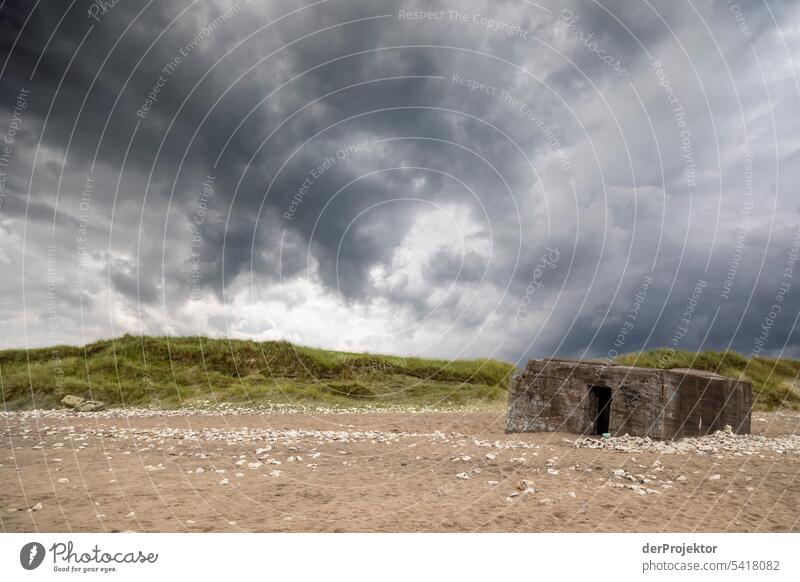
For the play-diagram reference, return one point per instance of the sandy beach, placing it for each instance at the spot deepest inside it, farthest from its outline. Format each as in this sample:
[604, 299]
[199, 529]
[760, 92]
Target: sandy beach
[381, 472]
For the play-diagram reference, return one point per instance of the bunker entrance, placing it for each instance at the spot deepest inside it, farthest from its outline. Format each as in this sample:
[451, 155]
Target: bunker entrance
[599, 409]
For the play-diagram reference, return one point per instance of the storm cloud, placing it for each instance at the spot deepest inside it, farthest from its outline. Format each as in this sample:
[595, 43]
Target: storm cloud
[507, 179]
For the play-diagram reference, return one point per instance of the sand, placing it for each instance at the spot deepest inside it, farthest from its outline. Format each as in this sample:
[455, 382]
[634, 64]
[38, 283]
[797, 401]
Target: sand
[368, 472]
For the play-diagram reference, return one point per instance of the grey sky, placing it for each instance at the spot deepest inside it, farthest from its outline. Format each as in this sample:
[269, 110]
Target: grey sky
[507, 179]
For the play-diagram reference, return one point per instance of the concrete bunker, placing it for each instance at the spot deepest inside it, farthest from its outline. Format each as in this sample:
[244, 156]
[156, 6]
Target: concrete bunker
[591, 397]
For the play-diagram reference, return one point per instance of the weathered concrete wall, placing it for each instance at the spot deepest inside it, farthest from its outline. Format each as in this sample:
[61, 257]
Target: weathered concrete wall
[556, 395]
[707, 402]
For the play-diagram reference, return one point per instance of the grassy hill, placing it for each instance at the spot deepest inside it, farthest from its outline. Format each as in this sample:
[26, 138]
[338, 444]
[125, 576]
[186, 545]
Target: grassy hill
[775, 382]
[175, 371]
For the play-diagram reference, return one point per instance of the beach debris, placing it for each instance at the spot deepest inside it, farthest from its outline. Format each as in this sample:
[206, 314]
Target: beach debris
[526, 486]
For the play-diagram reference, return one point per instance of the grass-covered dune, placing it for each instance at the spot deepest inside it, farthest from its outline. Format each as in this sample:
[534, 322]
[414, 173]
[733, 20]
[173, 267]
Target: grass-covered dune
[175, 371]
[179, 371]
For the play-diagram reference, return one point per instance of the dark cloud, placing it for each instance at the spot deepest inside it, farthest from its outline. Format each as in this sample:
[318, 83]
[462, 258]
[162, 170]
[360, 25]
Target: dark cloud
[380, 182]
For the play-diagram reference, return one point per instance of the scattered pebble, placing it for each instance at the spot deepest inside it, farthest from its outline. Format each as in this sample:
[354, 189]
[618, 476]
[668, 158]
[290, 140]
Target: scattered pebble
[724, 443]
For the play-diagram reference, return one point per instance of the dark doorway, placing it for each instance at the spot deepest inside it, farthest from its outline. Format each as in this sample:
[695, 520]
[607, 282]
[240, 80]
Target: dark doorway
[599, 408]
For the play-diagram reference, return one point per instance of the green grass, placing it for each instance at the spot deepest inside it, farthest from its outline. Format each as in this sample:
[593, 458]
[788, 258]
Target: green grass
[179, 371]
[775, 382]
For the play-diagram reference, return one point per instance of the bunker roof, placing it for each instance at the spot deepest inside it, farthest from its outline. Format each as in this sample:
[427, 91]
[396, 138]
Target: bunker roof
[605, 364]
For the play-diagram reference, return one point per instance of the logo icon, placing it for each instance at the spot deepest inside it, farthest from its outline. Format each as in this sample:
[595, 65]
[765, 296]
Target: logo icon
[31, 555]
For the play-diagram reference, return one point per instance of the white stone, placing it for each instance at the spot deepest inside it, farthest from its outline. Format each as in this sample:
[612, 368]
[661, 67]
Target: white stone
[526, 486]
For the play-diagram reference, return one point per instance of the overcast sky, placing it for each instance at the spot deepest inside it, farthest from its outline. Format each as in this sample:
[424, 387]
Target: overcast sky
[509, 179]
